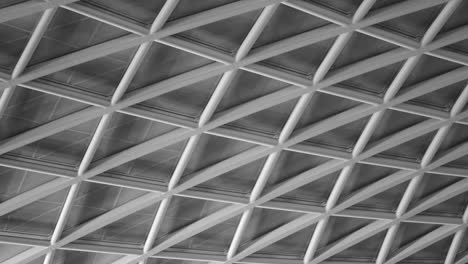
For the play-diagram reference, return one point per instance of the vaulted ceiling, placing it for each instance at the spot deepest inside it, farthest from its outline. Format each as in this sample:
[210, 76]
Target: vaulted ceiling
[222, 131]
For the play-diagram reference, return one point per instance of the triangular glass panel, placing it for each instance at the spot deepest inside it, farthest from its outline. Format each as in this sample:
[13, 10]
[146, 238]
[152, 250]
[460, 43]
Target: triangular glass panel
[267, 122]
[95, 199]
[409, 232]
[375, 82]
[213, 149]
[169, 61]
[302, 62]
[37, 218]
[453, 207]
[353, 51]
[156, 167]
[217, 238]
[7, 3]
[187, 102]
[412, 25]
[28, 109]
[69, 32]
[184, 211]
[387, 200]
[393, 122]
[316, 192]
[264, 221]
[226, 35]
[338, 228]
[345, 7]
[158, 260]
[365, 250]
[124, 131]
[71, 256]
[458, 134]
[363, 175]
[293, 245]
[412, 150]
[238, 181]
[8, 251]
[298, 22]
[323, 106]
[430, 184]
[384, 3]
[14, 35]
[247, 86]
[442, 99]
[186, 8]
[342, 138]
[459, 47]
[130, 230]
[98, 77]
[457, 19]
[435, 252]
[63, 148]
[422, 72]
[284, 171]
[459, 163]
[142, 12]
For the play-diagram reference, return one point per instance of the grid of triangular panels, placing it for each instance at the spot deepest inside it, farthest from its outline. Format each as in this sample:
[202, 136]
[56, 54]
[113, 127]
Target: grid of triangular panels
[402, 116]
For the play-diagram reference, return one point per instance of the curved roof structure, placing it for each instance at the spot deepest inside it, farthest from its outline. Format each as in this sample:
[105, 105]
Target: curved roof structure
[222, 131]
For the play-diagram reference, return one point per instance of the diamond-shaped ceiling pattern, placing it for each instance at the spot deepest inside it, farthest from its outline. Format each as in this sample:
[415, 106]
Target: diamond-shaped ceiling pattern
[222, 131]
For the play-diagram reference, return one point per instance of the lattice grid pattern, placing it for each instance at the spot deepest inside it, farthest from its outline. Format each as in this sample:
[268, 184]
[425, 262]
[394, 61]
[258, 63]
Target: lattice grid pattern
[247, 56]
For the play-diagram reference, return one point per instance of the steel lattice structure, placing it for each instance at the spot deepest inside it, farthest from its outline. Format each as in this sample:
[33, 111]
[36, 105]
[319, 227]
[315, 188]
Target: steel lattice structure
[247, 58]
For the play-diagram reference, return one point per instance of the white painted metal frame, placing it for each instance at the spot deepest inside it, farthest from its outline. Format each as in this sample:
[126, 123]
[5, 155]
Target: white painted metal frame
[289, 139]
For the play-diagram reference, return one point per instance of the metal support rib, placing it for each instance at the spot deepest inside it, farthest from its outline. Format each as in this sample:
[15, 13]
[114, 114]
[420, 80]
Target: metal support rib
[205, 117]
[104, 122]
[431, 33]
